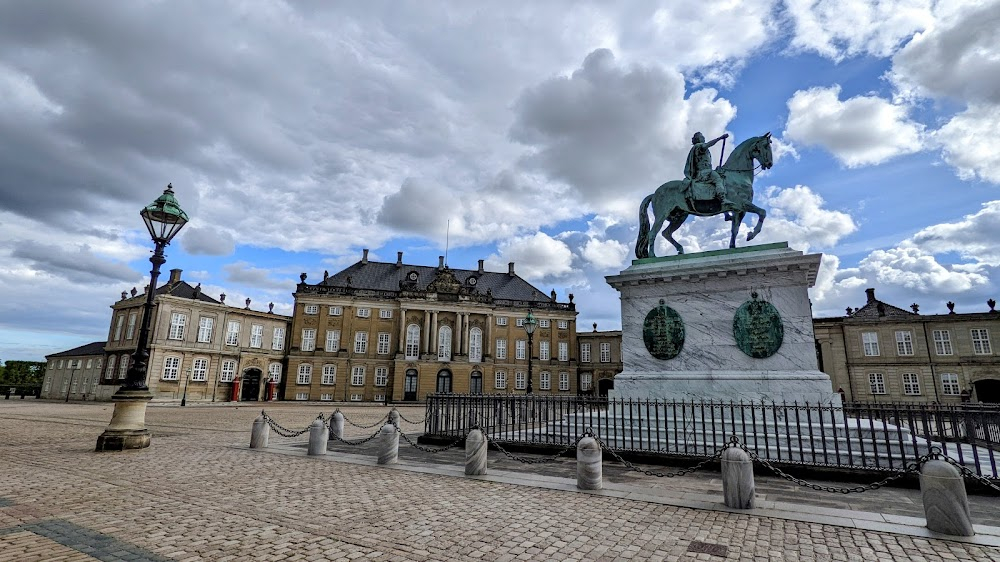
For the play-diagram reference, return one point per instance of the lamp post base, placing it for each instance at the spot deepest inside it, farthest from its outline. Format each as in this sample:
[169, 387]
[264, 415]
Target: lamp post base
[127, 429]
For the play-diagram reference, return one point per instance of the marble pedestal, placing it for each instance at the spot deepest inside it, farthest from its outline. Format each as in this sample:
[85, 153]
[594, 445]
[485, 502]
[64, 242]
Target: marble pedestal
[127, 429]
[705, 290]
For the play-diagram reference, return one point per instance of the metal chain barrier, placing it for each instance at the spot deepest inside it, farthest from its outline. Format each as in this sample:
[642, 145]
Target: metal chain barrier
[913, 467]
[359, 441]
[968, 473]
[284, 431]
[408, 421]
[451, 445]
[632, 467]
[379, 422]
[526, 460]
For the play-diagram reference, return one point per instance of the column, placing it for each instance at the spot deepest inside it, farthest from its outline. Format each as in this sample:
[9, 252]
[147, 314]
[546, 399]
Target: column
[434, 333]
[402, 330]
[465, 333]
[426, 336]
[488, 345]
[459, 323]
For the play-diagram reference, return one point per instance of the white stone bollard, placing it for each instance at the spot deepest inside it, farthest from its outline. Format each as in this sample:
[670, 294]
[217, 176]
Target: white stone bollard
[388, 445]
[394, 417]
[946, 505]
[337, 425]
[737, 479]
[317, 437]
[589, 467]
[475, 453]
[259, 433]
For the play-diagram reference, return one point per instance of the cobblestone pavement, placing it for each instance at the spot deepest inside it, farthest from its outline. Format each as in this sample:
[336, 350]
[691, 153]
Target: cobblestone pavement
[199, 494]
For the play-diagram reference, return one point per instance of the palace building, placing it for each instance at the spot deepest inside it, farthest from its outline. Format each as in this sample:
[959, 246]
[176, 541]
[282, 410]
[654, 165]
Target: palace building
[880, 352]
[397, 332]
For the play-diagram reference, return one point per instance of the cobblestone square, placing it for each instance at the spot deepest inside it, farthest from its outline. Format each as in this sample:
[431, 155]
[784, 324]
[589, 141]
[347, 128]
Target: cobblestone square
[199, 493]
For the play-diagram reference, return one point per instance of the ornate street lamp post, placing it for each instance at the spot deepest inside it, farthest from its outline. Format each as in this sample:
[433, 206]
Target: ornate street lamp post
[164, 219]
[187, 379]
[69, 389]
[529, 328]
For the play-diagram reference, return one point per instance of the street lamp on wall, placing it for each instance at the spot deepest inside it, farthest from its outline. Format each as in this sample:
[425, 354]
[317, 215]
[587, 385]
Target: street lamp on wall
[529, 328]
[164, 219]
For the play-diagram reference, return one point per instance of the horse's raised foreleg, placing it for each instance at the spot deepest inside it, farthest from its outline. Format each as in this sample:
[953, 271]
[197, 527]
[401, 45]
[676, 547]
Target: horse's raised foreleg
[761, 213]
[676, 219]
[735, 227]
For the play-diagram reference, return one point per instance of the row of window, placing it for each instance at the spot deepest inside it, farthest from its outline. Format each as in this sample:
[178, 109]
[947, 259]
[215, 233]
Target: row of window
[385, 314]
[911, 384]
[521, 378]
[206, 326]
[328, 397]
[329, 375]
[92, 363]
[942, 342]
[542, 322]
[199, 370]
[77, 384]
[120, 323]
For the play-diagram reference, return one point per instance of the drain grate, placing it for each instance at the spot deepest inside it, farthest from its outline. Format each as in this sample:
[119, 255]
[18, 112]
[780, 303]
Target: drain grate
[699, 547]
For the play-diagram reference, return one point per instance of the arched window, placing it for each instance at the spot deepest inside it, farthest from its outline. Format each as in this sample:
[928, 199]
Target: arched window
[444, 381]
[412, 341]
[475, 345]
[444, 344]
[110, 373]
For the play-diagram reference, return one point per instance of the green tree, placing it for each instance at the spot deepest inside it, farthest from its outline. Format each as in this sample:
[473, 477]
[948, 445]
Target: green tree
[23, 373]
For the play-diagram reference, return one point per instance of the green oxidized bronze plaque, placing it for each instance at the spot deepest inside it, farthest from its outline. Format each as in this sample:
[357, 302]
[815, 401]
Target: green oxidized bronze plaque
[663, 332]
[757, 328]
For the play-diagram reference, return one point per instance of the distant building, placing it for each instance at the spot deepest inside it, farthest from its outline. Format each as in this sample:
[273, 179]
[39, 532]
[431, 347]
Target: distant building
[397, 332]
[881, 352]
[74, 373]
[197, 343]
[600, 360]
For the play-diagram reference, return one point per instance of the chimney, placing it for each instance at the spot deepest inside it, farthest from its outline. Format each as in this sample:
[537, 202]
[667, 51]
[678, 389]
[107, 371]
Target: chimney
[510, 269]
[364, 256]
[871, 295]
[175, 276]
[440, 262]
[399, 259]
[481, 270]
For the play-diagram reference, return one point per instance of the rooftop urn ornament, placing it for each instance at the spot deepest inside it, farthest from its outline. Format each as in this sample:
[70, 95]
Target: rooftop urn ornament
[248, 303]
[124, 295]
[705, 192]
[992, 304]
[163, 218]
[916, 308]
[951, 307]
[134, 291]
[222, 297]
[270, 308]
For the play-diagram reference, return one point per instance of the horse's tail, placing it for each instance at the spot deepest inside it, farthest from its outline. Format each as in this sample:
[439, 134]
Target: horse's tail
[642, 241]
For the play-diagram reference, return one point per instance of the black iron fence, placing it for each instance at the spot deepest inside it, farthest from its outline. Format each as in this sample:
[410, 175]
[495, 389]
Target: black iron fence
[865, 436]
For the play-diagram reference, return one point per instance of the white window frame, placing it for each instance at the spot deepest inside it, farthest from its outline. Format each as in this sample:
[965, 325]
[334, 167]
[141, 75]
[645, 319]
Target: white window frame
[233, 333]
[110, 372]
[942, 342]
[949, 384]
[563, 381]
[310, 309]
[876, 383]
[545, 380]
[586, 381]
[119, 323]
[501, 320]
[123, 367]
[911, 384]
[584, 353]
[357, 396]
[412, 350]
[326, 397]
[981, 341]
[130, 330]
[381, 376]
[501, 348]
[364, 312]
[543, 351]
[500, 380]
[199, 370]
[605, 352]
[332, 344]
[302, 396]
[519, 322]
[360, 342]
[385, 313]
[178, 320]
[563, 351]
[904, 342]
[329, 375]
[228, 371]
[205, 326]
[308, 339]
[256, 335]
[519, 348]
[520, 380]
[358, 375]
[563, 324]
[171, 368]
[382, 345]
[274, 370]
[336, 311]
[869, 342]
[278, 339]
[90, 363]
[475, 345]
[304, 375]
[379, 398]
[543, 323]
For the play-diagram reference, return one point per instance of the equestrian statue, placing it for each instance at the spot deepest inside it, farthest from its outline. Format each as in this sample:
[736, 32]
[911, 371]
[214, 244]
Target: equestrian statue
[705, 192]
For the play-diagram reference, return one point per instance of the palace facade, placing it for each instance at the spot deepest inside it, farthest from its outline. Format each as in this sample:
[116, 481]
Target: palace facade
[881, 352]
[394, 332]
[75, 373]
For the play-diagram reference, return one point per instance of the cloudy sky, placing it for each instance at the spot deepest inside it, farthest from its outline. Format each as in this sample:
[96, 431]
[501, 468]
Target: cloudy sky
[296, 134]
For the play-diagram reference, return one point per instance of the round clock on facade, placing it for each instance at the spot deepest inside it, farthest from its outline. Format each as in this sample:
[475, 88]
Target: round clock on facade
[472, 280]
[412, 276]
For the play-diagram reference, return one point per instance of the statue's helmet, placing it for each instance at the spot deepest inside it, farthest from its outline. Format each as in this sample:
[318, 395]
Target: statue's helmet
[697, 138]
